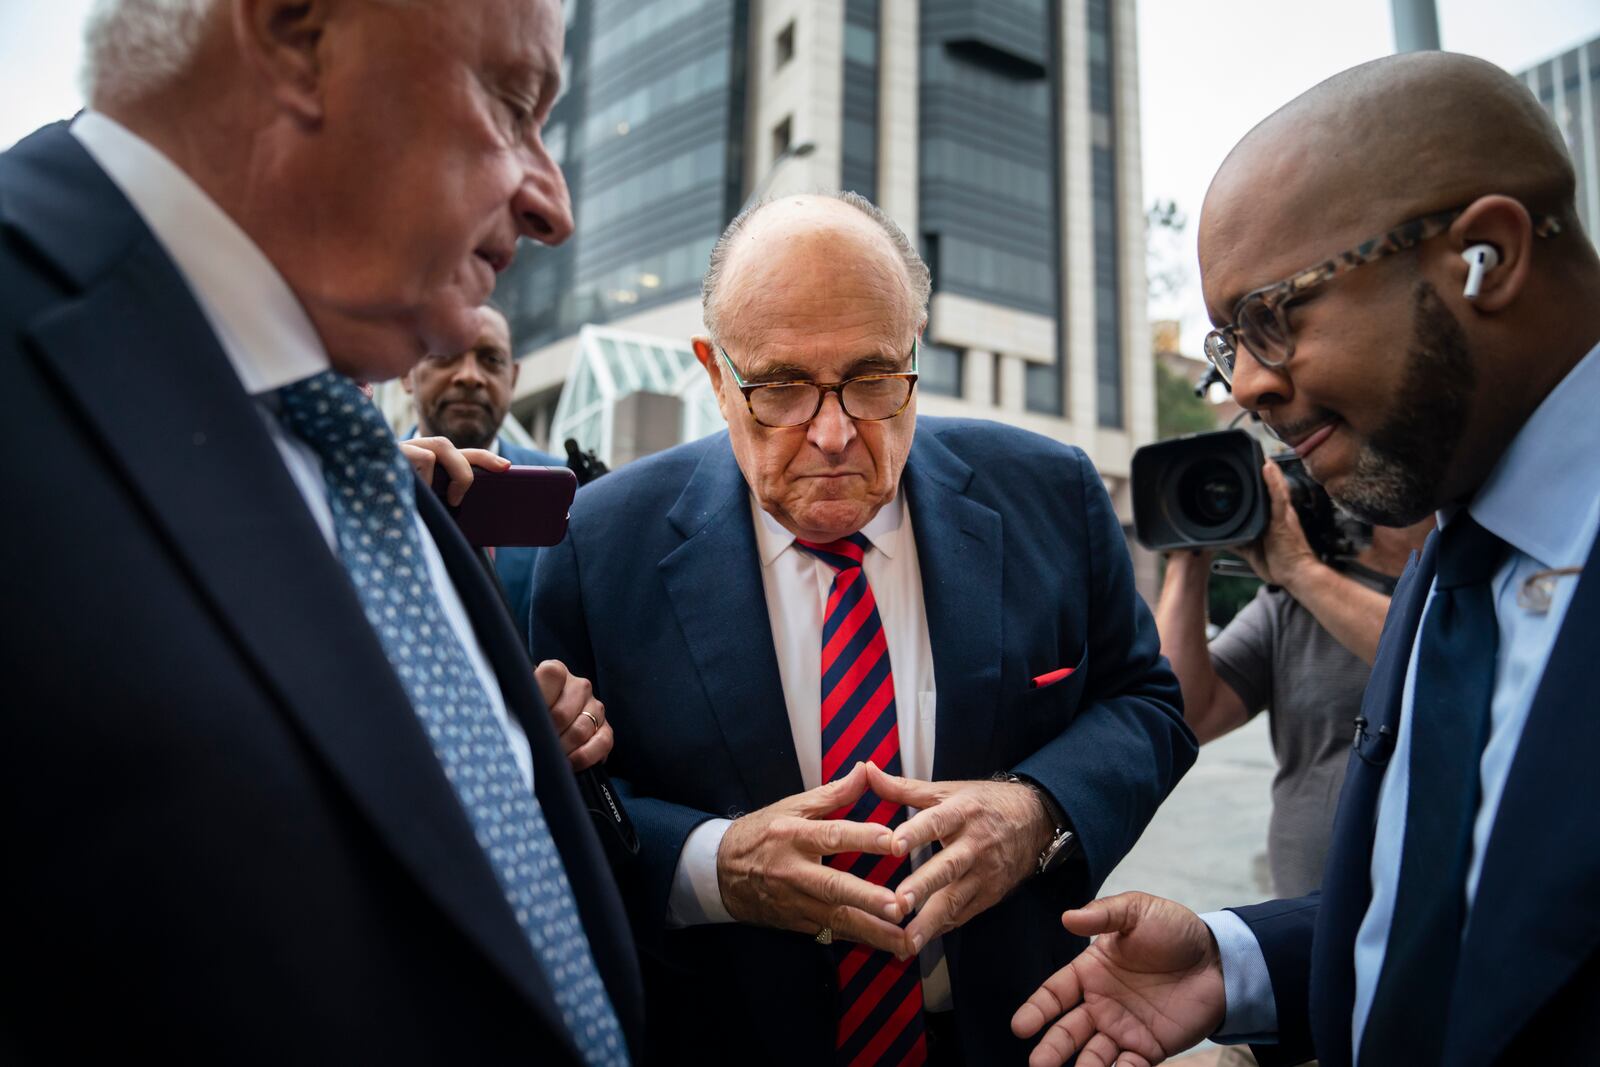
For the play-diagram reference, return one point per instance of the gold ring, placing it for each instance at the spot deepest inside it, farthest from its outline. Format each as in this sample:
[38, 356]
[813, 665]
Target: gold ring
[825, 936]
[590, 716]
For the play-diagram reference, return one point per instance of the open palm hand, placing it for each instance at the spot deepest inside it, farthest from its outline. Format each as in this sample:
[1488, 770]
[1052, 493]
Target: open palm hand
[1148, 986]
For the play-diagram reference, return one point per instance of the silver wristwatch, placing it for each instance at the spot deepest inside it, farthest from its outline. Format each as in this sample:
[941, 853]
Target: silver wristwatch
[1063, 841]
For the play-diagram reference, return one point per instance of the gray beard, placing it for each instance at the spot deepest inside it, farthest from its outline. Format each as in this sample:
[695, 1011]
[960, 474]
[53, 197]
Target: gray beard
[1400, 470]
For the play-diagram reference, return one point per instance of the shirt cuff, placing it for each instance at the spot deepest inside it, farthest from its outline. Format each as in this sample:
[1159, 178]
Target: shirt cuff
[696, 896]
[1252, 1013]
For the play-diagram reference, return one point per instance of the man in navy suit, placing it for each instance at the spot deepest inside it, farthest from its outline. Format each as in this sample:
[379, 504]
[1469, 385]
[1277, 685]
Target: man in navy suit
[464, 397]
[1404, 293]
[290, 793]
[831, 614]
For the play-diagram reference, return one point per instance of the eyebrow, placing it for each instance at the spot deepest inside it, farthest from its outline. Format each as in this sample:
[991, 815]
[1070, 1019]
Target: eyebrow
[769, 373]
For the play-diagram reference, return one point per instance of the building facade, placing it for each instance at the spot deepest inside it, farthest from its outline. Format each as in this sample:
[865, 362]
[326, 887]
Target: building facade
[1569, 88]
[1002, 135]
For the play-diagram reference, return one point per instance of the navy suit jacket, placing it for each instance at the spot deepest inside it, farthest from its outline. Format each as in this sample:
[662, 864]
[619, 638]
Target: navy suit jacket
[1528, 984]
[656, 595]
[227, 837]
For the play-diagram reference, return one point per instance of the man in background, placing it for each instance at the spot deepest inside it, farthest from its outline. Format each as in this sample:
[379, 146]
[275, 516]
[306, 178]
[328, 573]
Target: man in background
[292, 795]
[1302, 650]
[465, 398]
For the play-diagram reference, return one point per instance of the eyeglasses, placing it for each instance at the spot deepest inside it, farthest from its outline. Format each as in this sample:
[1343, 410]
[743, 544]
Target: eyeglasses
[1261, 318]
[868, 398]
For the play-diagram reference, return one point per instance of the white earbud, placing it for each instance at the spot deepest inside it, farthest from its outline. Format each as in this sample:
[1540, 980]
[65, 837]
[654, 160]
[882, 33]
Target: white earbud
[1479, 258]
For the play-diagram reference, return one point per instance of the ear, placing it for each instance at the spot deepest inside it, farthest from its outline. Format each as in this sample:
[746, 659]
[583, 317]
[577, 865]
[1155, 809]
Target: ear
[516, 369]
[706, 352]
[1504, 223]
[280, 40]
[410, 386]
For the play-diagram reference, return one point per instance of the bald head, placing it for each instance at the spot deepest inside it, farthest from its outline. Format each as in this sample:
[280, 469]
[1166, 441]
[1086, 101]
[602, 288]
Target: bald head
[800, 248]
[1380, 143]
[1398, 382]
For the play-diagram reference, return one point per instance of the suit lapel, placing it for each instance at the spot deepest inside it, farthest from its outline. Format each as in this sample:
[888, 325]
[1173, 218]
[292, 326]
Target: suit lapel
[714, 581]
[959, 555]
[1347, 881]
[1534, 920]
[194, 452]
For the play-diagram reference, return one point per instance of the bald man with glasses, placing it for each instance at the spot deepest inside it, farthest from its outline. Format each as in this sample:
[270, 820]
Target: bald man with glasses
[888, 697]
[1446, 361]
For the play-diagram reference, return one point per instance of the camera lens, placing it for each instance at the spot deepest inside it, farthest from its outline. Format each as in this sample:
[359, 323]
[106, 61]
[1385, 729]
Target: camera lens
[1210, 493]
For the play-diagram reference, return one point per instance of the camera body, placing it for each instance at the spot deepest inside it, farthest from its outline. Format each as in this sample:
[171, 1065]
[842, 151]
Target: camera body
[1206, 491]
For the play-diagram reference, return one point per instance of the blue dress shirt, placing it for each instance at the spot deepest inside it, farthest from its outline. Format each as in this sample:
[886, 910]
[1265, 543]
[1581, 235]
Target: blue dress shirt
[1542, 499]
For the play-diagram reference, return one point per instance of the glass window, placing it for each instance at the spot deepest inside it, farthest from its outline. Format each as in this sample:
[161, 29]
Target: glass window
[860, 45]
[939, 369]
[783, 47]
[1042, 388]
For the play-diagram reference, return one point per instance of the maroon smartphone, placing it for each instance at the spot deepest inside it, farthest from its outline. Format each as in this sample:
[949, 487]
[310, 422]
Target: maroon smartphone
[514, 508]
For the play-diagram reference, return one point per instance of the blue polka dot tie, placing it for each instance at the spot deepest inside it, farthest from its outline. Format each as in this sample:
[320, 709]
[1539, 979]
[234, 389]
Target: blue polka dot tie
[370, 490]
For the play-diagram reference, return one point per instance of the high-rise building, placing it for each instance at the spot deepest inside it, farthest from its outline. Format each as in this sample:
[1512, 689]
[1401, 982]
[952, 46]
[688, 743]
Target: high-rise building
[1002, 135]
[1569, 88]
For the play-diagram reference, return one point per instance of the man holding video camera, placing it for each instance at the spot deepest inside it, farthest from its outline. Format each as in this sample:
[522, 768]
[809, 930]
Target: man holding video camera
[1302, 649]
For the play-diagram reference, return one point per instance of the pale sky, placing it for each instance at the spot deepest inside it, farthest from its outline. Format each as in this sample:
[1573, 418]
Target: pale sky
[1209, 70]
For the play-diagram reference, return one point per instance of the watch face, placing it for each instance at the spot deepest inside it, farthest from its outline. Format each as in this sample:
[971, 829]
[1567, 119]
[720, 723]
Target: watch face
[1057, 851]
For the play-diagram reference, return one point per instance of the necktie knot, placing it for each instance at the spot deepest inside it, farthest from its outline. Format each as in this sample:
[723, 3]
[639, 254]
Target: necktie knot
[1468, 554]
[330, 413]
[842, 554]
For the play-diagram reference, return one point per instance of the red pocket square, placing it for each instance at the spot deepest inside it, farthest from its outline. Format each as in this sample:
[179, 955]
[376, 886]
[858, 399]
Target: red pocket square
[1050, 677]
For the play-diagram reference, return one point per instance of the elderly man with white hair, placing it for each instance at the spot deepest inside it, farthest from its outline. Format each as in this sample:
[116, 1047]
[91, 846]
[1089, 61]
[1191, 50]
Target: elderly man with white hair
[833, 616]
[278, 782]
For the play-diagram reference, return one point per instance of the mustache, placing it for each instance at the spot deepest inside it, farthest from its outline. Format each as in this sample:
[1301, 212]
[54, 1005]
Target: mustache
[1292, 430]
[480, 399]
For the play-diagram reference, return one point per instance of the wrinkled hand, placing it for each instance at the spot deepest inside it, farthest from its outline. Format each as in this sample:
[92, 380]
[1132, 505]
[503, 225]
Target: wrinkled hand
[423, 452]
[770, 869]
[1149, 986]
[991, 832]
[1282, 552]
[579, 718]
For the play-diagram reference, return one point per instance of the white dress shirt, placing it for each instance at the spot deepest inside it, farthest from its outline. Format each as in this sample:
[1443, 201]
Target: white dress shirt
[1543, 500]
[796, 585]
[266, 335]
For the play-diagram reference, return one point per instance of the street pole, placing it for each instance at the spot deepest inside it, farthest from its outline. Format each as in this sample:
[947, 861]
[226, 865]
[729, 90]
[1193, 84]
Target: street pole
[1416, 25]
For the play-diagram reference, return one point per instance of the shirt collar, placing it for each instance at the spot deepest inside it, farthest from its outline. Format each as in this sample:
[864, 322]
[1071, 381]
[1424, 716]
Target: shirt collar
[265, 333]
[886, 530]
[1541, 494]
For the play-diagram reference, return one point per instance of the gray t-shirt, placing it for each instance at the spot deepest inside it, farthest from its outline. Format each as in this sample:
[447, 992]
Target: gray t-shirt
[1276, 655]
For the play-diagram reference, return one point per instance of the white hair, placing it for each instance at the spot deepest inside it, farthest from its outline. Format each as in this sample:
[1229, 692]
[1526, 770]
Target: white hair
[132, 47]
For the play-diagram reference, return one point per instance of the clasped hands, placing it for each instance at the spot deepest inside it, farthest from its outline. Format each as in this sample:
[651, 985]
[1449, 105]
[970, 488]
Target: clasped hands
[771, 865]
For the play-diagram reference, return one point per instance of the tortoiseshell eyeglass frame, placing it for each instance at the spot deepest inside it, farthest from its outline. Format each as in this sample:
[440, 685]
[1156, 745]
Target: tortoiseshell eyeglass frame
[1267, 308]
[750, 389]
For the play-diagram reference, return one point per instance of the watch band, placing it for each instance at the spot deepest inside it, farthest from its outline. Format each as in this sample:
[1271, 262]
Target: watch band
[1063, 842]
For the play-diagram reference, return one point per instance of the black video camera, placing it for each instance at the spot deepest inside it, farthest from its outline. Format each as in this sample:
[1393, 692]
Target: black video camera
[1206, 491]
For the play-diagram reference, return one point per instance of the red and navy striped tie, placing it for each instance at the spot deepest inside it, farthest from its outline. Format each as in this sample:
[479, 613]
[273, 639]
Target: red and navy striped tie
[880, 997]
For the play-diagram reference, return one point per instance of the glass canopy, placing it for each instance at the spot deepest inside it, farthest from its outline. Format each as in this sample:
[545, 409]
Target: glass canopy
[609, 365]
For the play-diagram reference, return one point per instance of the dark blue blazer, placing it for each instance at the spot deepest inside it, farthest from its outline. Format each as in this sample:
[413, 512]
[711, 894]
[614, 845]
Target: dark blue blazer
[1528, 987]
[656, 595]
[226, 835]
